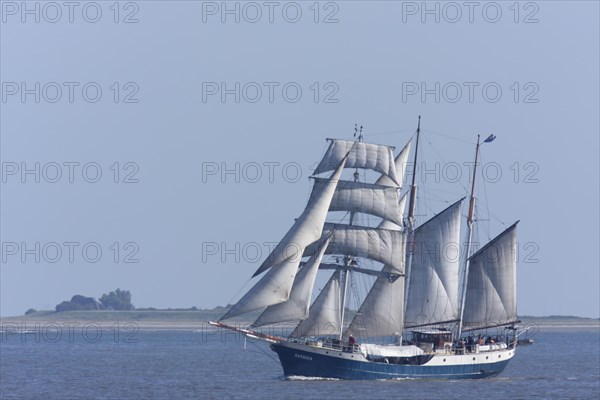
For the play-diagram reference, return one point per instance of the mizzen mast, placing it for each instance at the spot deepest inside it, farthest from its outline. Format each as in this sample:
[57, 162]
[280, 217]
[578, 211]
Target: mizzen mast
[470, 234]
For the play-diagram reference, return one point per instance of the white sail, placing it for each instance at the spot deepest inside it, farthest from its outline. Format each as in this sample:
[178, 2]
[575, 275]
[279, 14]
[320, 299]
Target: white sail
[376, 157]
[276, 285]
[378, 200]
[297, 306]
[308, 226]
[382, 311]
[386, 224]
[492, 283]
[433, 289]
[324, 317]
[400, 162]
[273, 288]
[382, 245]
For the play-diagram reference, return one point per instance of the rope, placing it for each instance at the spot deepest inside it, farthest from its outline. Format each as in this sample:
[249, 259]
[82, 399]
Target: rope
[262, 351]
[487, 204]
[238, 292]
[389, 132]
[489, 212]
[443, 159]
[448, 136]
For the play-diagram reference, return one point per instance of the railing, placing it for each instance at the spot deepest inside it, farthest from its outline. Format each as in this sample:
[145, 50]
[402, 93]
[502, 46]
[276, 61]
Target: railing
[333, 344]
[464, 348]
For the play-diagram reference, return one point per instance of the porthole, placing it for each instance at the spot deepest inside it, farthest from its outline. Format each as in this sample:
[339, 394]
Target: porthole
[473, 358]
[499, 355]
[487, 358]
[444, 360]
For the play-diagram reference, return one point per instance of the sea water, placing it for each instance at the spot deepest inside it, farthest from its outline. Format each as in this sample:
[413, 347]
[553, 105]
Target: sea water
[197, 364]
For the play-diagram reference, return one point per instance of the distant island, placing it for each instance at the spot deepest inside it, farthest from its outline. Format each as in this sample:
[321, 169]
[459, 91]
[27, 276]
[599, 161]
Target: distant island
[117, 300]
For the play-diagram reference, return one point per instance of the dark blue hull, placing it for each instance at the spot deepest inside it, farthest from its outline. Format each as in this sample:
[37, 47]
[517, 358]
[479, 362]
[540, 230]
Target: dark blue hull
[299, 362]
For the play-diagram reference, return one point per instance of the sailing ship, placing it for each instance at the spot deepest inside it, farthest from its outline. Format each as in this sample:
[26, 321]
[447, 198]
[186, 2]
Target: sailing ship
[431, 306]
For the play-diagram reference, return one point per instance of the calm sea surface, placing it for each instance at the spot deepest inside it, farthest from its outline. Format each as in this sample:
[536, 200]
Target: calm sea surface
[563, 364]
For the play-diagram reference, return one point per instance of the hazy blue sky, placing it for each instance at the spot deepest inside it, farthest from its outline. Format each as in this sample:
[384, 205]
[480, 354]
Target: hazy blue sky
[162, 130]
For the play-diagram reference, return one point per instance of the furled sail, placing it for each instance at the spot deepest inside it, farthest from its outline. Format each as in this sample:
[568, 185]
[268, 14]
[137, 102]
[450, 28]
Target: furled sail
[400, 162]
[325, 315]
[308, 227]
[382, 245]
[378, 200]
[492, 283]
[382, 312]
[433, 289]
[376, 157]
[297, 306]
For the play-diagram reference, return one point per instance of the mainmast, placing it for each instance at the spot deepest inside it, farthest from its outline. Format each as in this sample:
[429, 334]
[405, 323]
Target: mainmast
[411, 219]
[470, 234]
[413, 186]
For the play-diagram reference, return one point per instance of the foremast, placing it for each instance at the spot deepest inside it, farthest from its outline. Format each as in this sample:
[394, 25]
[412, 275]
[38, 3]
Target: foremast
[352, 241]
[348, 260]
[286, 282]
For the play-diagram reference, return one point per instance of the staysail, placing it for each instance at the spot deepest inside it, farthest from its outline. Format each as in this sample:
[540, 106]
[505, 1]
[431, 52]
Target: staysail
[296, 307]
[433, 290]
[491, 286]
[400, 162]
[360, 155]
[324, 317]
[275, 286]
[386, 224]
[308, 226]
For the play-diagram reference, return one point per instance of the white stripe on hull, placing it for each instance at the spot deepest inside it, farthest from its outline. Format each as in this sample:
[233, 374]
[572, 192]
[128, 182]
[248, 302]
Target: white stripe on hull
[439, 359]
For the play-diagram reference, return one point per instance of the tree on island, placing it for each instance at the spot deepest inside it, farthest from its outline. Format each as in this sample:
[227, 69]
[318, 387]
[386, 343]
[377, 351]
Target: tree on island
[117, 300]
[78, 303]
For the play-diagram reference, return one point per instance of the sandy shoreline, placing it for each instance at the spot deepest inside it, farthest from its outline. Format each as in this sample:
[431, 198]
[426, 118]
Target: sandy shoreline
[21, 324]
[32, 324]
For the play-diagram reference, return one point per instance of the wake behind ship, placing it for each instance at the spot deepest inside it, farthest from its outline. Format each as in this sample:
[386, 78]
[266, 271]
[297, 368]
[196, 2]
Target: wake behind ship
[433, 310]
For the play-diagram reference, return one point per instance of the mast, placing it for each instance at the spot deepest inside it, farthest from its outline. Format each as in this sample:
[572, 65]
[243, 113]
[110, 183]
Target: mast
[348, 260]
[413, 187]
[344, 295]
[411, 220]
[469, 238]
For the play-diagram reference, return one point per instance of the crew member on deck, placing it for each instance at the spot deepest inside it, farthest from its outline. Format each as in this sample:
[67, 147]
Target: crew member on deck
[351, 342]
